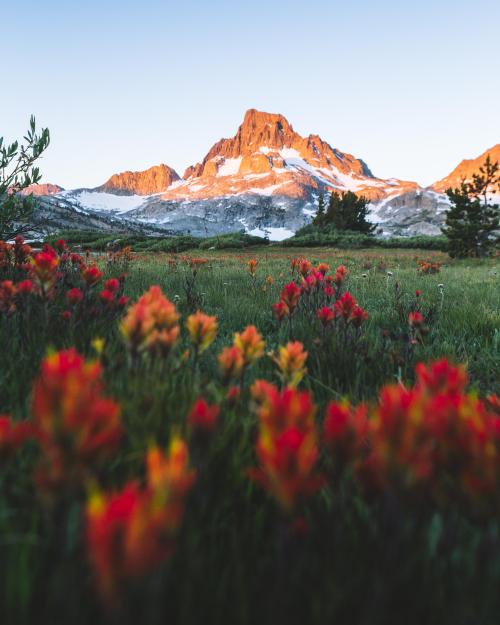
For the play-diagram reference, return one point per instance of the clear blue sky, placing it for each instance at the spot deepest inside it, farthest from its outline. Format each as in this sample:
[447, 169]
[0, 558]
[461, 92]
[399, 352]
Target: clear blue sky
[412, 87]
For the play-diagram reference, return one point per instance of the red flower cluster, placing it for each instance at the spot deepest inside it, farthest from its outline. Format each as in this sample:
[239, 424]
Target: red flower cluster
[77, 428]
[347, 309]
[428, 267]
[289, 300]
[434, 435]
[287, 444]
[110, 295]
[14, 254]
[203, 417]
[131, 532]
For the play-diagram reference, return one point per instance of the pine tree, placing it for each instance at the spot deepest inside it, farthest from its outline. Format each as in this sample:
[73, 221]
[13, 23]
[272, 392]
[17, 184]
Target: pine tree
[473, 219]
[347, 211]
[320, 214]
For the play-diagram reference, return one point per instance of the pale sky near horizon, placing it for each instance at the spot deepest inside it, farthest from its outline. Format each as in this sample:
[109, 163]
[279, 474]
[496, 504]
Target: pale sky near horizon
[410, 87]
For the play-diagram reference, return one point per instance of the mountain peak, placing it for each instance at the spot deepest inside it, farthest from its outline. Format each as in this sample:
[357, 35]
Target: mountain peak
[153, 180]
[465, 169]
[41, 189]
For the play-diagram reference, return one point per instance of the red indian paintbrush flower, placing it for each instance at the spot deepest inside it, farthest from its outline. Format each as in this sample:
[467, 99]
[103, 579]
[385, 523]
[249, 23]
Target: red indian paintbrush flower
[74, 296]
[290, 296]
[77, 427]
[280, 311]
[341, 274]
[251, 344]
[434, 435]
[203, 417]
[286, 446]
[326, 315]
[25, 287]
[291, 360]
[252, 267]
[44, 270]
[323, 268]
[151, 324]
[231, 363]
[345, 306]
[415, 319]
[91, 275]
[132, 532]
[345, 433]
[202, 330]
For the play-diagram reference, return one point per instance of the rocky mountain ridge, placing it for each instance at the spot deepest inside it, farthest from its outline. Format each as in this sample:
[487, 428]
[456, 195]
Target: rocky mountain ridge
[266, 180]
[464, 170]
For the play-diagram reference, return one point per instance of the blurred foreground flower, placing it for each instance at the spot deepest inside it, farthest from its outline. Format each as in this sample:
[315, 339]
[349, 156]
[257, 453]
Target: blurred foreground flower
[132, 532]
[202, 330]
[78, 428]
[291, 360]
[287, 444]
[151, 324]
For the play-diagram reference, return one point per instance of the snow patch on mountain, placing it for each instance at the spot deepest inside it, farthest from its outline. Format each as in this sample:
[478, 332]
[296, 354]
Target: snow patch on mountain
[98, 201]
[230, 167]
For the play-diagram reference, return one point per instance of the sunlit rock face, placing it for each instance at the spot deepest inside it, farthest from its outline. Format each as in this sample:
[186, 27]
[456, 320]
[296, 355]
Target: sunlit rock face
[464, 170]
[152, 180]
[41, 189]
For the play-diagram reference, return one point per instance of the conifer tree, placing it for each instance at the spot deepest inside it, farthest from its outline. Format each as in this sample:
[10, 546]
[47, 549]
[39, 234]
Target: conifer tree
[347, 211]
[320, 214]
[473, 221]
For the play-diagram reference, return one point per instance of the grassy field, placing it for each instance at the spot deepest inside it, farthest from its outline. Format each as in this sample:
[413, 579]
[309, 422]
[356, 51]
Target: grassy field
[417, 546]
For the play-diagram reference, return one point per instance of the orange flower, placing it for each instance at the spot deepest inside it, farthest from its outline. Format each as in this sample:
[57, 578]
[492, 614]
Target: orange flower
[132, 532]
[323, 268]
[280, 311]
[291, 362]
[304, 267]
[151, 324]
[290, 296]
[170, 474]
[78, 429]
[341, 274]
[252, 267]
[270, 280]
[250, 343]
[231, 363]
[202, 330]
[286, 446]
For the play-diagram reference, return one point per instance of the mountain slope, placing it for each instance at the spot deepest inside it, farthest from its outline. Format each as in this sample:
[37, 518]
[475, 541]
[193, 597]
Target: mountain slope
[465, 169]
